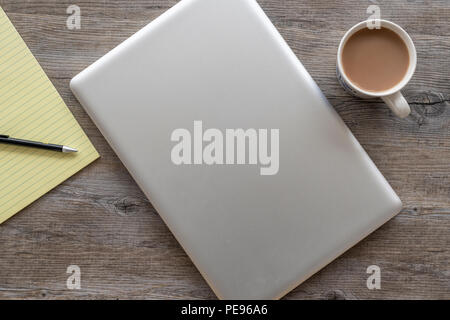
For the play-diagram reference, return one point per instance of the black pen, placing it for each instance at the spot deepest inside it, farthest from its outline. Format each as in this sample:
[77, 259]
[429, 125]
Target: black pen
[26, 143]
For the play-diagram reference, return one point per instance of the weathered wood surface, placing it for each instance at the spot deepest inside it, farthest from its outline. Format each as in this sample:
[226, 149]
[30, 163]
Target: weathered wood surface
[101, 221]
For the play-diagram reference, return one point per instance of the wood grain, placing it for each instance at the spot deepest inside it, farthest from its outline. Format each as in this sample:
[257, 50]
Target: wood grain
[101, 221]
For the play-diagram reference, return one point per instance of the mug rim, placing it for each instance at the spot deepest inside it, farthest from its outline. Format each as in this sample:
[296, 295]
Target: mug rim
[409, 45]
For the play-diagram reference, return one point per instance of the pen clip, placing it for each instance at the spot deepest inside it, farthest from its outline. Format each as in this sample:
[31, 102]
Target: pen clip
[4, 136]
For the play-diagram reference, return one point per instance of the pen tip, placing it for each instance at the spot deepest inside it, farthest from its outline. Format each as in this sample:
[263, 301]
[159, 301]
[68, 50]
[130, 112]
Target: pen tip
[69, 149]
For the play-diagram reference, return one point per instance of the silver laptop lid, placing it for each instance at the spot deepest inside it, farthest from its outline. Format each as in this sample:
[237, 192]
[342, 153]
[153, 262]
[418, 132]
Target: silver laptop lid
[266, 219]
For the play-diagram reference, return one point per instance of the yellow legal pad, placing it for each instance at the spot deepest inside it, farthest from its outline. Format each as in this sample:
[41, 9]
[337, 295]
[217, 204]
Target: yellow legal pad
[32, 109]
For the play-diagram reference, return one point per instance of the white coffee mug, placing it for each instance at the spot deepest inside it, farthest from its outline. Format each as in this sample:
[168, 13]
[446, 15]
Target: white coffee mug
[392, 97]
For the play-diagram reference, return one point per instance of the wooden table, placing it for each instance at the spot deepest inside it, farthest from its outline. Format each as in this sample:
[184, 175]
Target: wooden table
[101, 221]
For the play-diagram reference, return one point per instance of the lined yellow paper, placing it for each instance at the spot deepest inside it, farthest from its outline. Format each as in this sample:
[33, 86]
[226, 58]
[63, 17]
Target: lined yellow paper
[31, 108]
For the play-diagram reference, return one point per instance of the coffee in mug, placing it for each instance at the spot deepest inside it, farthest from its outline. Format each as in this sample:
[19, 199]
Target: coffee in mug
[377, 63]
[375, 60]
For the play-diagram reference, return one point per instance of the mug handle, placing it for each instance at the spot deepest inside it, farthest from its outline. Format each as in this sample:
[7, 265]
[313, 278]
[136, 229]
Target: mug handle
[398, 104]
